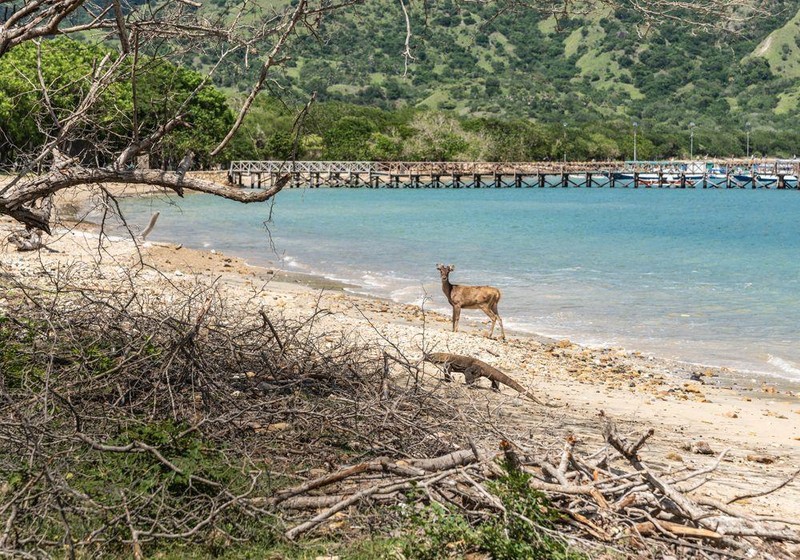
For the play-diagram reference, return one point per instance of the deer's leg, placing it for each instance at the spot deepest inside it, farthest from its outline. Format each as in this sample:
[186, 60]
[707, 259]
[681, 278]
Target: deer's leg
[496, 314]
[493, 316]
[456, 316]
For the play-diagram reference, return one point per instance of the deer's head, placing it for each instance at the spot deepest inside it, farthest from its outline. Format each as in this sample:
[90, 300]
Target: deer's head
[445, 270]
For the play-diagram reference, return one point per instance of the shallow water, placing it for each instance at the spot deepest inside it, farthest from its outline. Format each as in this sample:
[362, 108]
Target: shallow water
[705, 276]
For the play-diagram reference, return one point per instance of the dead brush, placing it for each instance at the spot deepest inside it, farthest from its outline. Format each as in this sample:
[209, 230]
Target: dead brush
[127, 421]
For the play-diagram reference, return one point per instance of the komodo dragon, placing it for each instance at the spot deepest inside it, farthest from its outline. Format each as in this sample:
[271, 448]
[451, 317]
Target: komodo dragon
[473, 368]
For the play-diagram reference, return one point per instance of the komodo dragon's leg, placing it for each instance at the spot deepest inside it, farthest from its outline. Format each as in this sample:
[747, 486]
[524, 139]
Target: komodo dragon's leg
[473, 373]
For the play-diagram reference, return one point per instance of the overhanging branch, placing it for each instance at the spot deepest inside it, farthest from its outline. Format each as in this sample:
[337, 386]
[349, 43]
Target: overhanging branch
[16, 202]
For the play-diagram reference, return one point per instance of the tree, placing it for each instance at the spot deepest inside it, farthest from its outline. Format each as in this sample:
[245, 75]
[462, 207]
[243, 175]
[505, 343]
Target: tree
[137, 41]
[440, 137]
[169, 113]
[348, 139]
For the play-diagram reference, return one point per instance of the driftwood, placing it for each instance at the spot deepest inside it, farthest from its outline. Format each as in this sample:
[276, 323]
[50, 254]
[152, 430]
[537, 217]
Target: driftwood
[150, 225]
[611, 506]
[473, 369]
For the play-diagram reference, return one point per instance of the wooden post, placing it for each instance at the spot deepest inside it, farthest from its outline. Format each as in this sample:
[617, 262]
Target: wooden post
[635, 179]
[517, 180]
[683, 180]
[541, 180]
[781, 181]
[478, 180]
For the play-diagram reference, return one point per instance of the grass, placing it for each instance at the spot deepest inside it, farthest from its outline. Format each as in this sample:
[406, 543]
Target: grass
[788, 102]
[595, 63]
[576, 39]
[547, 25]
[435, 99]
[781, 50]
[525, 529]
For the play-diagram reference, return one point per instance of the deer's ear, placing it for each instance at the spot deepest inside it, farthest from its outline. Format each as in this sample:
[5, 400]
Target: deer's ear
[452, 267]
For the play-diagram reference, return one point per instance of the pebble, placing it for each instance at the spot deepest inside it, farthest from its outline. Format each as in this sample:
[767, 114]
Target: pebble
[763, 459]
[701, 448]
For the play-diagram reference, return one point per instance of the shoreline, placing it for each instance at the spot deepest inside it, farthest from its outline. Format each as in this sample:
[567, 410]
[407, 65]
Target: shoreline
[76, 202]
[747, 380]
[593, 307]
[686, 404]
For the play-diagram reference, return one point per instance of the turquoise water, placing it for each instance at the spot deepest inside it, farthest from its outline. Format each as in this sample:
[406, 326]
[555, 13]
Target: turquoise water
[705, 276]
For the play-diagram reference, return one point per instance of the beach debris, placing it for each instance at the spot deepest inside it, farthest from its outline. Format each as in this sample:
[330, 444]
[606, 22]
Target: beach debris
[597, 496]
[701, 448]
[763, 459]
[151, 224]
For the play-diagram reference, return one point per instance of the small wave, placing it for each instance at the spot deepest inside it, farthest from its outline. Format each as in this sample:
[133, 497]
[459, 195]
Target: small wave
[784, 365]
[372, 280]
[408, 294]
[292, 262]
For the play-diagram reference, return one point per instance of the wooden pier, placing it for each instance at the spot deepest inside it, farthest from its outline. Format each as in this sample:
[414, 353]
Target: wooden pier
[728, 174]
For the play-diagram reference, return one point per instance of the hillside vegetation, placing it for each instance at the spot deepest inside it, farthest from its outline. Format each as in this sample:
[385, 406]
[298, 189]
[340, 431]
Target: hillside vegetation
[477, 61]
[482, 84]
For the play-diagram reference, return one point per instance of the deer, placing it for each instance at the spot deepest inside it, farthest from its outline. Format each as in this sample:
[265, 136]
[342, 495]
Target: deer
[460, 297]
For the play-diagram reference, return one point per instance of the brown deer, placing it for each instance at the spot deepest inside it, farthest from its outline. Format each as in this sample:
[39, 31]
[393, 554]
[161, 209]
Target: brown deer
[484, 298]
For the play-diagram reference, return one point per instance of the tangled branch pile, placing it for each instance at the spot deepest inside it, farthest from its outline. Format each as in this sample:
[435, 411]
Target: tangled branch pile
[127, 421]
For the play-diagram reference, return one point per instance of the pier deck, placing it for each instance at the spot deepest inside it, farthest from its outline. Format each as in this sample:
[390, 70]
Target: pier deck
[770, 174]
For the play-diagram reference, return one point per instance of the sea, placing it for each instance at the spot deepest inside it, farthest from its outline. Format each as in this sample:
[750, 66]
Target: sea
[705, 276]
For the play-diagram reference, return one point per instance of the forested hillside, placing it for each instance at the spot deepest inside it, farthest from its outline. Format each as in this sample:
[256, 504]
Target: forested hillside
[483, 80]
[600, 67]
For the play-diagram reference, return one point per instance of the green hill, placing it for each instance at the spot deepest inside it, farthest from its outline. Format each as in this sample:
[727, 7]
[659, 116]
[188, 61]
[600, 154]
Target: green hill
[781, 49]
[475, 60]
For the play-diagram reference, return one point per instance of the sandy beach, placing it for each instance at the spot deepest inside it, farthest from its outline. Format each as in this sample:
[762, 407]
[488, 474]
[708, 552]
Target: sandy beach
[697, 412]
